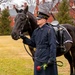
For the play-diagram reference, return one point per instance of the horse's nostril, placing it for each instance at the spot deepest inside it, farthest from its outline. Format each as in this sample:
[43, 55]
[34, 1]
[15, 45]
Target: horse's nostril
[14, 35]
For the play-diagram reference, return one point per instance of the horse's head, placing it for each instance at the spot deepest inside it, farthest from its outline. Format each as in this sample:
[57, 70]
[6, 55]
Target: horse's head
[22, 23]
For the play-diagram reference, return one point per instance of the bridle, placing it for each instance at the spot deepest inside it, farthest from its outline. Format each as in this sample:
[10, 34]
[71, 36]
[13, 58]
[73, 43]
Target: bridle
[29, 24]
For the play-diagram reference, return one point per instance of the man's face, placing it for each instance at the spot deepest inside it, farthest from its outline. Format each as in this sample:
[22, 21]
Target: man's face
[41, 21]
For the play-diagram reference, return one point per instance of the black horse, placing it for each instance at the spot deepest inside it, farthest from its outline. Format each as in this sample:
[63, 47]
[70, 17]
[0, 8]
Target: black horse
[25, 21]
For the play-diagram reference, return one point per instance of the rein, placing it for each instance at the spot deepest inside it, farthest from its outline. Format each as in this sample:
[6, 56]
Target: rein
[35, 58]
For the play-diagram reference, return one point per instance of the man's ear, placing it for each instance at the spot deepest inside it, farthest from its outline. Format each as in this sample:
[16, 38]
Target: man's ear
[26, 9]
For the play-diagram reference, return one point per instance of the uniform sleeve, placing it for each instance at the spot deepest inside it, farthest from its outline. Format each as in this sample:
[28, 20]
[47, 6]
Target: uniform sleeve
[31, 41]
[52, 44]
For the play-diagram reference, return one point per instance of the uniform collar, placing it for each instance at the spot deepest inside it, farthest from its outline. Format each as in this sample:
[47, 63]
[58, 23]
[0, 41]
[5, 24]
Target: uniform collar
[43, 26]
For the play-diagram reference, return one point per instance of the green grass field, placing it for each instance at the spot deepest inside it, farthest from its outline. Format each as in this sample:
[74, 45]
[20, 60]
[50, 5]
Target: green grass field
[15, 61]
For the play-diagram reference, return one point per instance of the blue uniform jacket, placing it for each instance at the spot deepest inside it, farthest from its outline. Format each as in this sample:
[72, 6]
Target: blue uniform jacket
[44, 40]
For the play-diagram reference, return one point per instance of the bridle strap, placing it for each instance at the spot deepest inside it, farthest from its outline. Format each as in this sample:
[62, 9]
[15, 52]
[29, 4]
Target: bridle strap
[27, 20]
[29, 23]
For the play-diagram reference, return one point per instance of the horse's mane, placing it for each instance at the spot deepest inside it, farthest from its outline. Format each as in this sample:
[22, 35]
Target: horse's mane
[32, 19]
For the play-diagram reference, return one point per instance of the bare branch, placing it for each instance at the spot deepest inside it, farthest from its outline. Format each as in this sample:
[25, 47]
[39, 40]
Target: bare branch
[30, 2]
[4, 1]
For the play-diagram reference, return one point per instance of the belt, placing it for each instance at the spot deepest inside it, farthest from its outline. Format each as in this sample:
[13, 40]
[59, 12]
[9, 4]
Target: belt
[42, 46]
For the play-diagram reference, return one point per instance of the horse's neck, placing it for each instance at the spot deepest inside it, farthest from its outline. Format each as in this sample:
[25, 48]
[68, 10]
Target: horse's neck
[33, 24]
[32, 28]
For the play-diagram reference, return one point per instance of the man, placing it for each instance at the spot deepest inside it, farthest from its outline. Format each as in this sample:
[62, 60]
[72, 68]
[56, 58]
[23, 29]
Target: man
[44, 40]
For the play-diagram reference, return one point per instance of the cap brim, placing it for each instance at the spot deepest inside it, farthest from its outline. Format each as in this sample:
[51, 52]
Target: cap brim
[38, 18]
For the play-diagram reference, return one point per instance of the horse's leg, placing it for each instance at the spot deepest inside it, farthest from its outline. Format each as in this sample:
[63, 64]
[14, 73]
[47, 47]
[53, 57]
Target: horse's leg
[69, 58]
[73, 56]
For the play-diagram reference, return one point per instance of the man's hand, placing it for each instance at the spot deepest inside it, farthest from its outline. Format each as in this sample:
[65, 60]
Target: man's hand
[50, 62]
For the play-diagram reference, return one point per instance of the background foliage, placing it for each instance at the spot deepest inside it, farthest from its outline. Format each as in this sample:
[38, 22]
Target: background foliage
[5, 22]
[63, 15]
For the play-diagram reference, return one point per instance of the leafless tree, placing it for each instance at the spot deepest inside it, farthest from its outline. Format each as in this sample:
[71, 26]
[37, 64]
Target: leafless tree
[4, 1]
[30, 2]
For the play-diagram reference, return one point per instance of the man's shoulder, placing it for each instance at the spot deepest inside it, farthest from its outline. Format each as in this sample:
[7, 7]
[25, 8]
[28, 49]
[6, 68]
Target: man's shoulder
[48, 25]
[36, 29]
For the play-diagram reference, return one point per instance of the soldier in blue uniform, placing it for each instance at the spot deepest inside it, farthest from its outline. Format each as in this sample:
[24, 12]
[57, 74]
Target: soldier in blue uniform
[44, 40]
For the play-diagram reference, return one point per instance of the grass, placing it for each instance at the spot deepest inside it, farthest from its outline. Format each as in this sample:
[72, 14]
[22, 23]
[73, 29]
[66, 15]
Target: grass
[15, 61]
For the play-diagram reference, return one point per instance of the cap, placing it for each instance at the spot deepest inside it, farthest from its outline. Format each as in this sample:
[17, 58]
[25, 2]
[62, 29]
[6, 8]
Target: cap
[42, 15]
[44, 10]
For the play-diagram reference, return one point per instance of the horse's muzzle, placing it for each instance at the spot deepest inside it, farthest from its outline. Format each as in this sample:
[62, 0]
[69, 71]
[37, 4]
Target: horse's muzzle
[15, 36]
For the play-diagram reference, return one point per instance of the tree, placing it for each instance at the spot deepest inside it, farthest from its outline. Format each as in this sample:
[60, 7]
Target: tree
[5, 23]
[63, 15]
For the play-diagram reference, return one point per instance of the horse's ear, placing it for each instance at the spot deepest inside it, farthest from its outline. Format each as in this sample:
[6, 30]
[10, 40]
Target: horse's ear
[19, 11]
[16, 9]
[26, 9]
